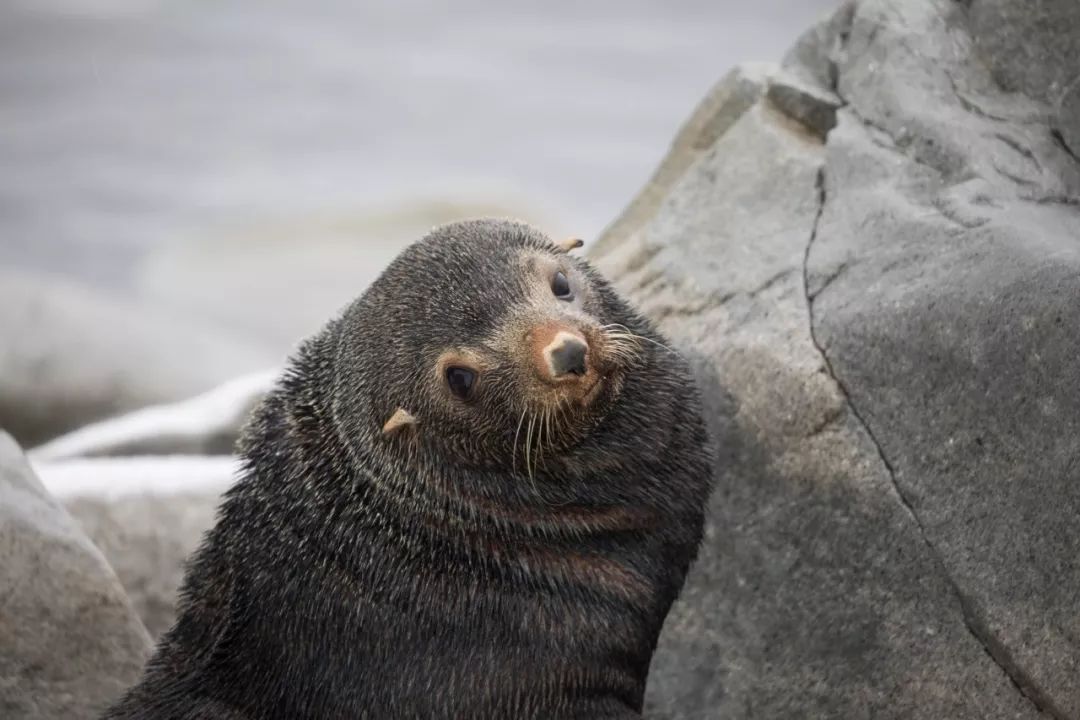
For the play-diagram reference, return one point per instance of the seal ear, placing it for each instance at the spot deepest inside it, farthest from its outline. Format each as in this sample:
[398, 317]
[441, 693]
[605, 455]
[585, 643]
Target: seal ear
[401, 418]
[570, 243]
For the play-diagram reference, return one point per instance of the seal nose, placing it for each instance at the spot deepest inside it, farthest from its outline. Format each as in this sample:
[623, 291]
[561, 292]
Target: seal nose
[561, 353]
[566, 355]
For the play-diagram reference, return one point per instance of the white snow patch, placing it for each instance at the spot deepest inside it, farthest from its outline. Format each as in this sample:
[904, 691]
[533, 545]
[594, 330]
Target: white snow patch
[152, 474]
[164, 428]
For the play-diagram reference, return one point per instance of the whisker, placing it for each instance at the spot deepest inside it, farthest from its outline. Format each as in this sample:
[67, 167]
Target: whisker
[513, 455]
[623, 349]
[548, 431]
[624, 346]
[540, 438]
[528, 448]
[561, 409]
[624, 332]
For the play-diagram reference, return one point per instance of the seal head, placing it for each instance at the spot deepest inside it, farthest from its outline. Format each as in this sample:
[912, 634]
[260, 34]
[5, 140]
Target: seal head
[486, 346]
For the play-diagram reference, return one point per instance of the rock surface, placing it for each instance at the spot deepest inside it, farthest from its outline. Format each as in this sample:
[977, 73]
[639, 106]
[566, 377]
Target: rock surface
[872, 255]
[886, 323]
[145, 486]
[1033, 48]
[945, 276]
[147, 539]
[69, 640]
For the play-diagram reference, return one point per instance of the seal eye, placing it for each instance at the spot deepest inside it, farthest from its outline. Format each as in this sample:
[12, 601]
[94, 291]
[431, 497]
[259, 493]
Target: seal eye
[561, 287]
[460, 380]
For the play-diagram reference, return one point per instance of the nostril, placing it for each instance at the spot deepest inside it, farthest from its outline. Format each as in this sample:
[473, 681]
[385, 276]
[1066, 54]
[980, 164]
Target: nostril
[568, 358]
[577, 363]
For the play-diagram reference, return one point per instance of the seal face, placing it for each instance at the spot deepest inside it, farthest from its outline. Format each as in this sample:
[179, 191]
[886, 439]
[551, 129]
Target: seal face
[475, 494]
[506, 352]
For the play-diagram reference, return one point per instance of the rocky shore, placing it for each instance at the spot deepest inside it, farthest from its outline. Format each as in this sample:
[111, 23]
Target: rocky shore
[870, 250]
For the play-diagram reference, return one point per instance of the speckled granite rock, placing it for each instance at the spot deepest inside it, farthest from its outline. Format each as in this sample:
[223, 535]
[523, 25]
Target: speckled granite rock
[885, 315]
[945, 277]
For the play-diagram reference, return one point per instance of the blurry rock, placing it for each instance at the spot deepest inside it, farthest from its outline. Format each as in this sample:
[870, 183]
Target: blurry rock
[208, 424]
[69, 356]
[144, 486]
[147, 539]
[282, 278]
[886, 327]
[69, 640]
[146, 514]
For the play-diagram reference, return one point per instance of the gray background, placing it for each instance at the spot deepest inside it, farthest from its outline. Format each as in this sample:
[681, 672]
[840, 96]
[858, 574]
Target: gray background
[207, 157]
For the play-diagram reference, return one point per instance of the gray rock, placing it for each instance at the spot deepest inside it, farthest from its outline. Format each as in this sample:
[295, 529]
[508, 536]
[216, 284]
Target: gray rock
[945, 288]
[69, 640]
[726, 102]
[814, 55]
[1033, 48]
[146, 514]
[893, 385]
[809, 104]
[147, 539]
[70, 355]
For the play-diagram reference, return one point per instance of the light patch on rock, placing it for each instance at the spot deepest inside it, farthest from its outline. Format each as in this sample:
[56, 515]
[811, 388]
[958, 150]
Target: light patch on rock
[209, 423]
[139, 475]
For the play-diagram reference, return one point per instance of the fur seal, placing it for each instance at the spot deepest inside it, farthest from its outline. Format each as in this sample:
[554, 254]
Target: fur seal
[475, 494]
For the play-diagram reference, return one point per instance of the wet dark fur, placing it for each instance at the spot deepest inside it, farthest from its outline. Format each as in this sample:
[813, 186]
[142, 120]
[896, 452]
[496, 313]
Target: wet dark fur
[352, 575]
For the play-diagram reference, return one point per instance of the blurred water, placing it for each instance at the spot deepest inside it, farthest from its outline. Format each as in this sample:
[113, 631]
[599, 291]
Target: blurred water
[130, 128]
